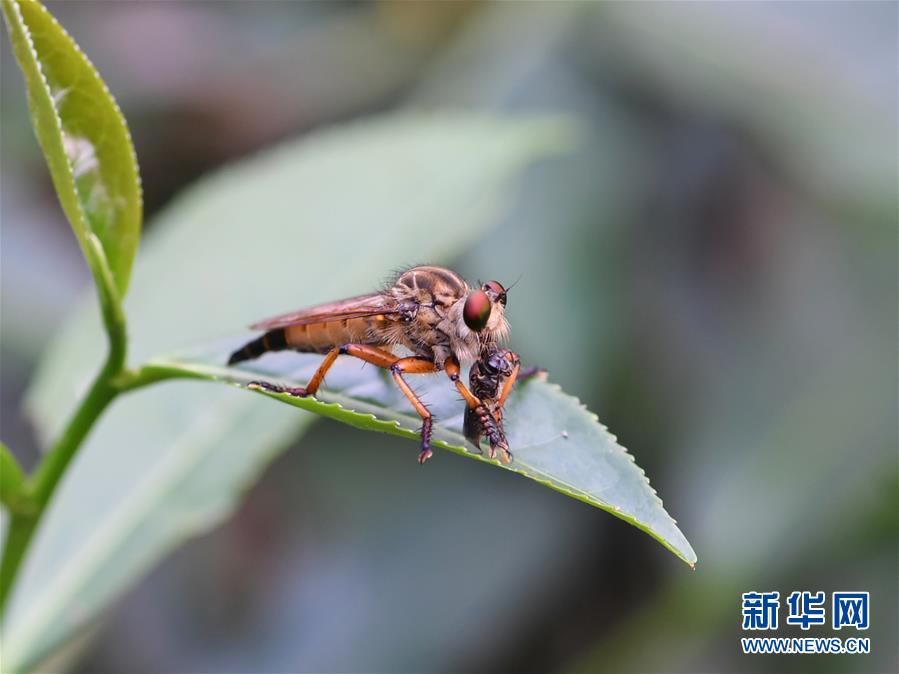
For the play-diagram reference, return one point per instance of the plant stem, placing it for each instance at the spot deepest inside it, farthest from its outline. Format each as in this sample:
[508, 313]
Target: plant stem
[53, 467]
[103, 390]
[48, 476]
[148, 374]
[21, 527]
[112, 380]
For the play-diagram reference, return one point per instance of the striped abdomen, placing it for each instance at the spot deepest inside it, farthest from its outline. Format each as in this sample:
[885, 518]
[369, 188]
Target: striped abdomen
[314, 337]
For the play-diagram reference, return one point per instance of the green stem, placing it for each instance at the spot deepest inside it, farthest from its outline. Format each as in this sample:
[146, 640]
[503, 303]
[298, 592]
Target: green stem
[149, 374]
[110, 382]
[102, 392]
[49, 474]
[54, 466]
[21, 527]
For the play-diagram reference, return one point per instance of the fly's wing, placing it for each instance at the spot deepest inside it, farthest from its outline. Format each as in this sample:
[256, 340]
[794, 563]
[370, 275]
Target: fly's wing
[355, 307]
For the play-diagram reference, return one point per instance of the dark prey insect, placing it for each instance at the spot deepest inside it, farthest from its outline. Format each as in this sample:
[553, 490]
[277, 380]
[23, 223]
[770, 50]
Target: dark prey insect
[429, 311]
[491, 379]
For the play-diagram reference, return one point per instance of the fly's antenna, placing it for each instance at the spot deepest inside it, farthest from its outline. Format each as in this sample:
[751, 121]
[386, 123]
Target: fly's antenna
[520, 276]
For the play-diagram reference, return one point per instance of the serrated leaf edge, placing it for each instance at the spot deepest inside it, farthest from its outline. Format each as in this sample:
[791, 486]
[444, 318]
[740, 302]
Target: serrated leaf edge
[348, 406]
[119, 116]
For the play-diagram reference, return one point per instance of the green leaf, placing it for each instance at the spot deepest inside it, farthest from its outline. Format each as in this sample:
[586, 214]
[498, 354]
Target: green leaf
[555, 439]
[84, 139]
[327, 216]
[11, 481]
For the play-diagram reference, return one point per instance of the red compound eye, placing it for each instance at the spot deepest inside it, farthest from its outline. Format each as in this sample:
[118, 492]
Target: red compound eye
[477, 310]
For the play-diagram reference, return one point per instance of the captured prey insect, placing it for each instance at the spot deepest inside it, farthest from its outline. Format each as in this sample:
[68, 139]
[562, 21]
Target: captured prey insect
[491, 379]
[429, 311]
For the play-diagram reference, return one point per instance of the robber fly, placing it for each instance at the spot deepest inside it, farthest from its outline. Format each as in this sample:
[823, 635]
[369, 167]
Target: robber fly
[429, 310]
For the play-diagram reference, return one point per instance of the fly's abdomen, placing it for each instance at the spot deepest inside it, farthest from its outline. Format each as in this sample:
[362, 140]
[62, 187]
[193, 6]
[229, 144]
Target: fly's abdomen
[315, 337]
[322, 337]
[273, 340]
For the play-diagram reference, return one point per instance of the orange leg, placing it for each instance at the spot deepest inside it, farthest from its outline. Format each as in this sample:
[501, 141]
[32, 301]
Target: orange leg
[518, 374]
[370, 354]
[414, 365]
[498, 409]
[509, 383]
[492, 424]
[381, 358]
[452, 370]
[487, 419]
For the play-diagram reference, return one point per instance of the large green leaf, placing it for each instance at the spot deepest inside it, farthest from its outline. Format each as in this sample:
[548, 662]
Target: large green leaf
[555, 439]
[85, 141]
[325, 217]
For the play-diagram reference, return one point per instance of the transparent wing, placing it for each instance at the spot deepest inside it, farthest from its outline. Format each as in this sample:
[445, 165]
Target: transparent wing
[355, 307]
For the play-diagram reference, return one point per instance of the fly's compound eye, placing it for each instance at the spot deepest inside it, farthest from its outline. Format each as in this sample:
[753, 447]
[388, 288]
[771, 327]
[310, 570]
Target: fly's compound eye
[496, 288]
[477, 309]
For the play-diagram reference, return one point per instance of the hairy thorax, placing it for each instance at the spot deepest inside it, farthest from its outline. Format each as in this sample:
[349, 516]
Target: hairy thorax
[430, 324]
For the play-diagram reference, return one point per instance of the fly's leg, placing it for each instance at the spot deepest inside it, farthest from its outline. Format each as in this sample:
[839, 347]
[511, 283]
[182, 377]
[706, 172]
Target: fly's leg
[383, 359]
[498, 437]
[494, 431]
[297, 391]
[413, 365]
[509, 383]
[316, 381]
[491, 427]
[452, 371]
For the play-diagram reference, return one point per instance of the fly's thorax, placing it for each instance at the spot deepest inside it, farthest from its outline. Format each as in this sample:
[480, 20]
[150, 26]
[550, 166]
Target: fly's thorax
[436, 328]
[430, 285]
[429, 292]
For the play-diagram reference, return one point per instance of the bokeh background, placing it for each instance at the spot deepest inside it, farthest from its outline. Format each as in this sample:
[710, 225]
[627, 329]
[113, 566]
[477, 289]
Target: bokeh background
[713, 270]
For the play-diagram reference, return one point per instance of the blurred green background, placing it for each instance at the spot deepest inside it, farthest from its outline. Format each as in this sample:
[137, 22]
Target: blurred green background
[713, 271]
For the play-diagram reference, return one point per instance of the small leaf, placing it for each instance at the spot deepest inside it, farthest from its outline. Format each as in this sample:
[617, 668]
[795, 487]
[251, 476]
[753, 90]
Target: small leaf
[84, 138]
[555, 439]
